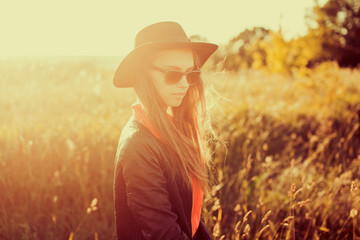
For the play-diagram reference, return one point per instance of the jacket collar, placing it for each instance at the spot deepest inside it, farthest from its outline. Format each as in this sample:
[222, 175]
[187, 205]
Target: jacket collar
[141, 116]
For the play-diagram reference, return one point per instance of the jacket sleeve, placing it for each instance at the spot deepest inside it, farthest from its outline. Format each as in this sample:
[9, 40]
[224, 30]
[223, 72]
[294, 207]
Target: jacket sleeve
[147, 195]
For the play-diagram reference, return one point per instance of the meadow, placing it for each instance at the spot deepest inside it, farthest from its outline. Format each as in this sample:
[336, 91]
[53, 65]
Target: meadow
[290, 168]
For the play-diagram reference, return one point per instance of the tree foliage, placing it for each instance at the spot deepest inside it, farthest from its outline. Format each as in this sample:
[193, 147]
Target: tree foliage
[333, 35]
[245, 50]
[338, 27]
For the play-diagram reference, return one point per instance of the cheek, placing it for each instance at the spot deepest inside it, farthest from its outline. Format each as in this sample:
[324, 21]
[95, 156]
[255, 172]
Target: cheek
[161, 87]
[165, 91]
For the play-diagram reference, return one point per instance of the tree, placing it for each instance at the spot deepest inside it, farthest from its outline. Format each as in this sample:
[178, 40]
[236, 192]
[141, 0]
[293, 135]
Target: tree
[338, 26]
[245, 50]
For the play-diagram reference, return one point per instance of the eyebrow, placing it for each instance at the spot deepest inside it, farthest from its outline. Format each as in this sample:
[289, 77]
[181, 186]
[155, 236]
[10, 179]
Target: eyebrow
[177, 67]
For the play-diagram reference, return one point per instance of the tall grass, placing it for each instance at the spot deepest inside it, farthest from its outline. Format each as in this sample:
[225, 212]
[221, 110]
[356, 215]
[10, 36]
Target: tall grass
[291, 170]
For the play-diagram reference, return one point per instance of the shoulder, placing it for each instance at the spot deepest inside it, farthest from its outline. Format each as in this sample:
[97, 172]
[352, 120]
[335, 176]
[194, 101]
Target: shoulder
[137, 143]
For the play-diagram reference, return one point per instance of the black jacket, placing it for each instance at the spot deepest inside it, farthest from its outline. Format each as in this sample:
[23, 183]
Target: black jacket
[147, 204]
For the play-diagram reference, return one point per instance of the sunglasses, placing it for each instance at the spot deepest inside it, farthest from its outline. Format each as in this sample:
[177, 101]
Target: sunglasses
[174, 76]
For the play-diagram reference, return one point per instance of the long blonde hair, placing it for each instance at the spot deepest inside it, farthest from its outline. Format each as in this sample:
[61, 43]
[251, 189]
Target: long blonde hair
[188, 134]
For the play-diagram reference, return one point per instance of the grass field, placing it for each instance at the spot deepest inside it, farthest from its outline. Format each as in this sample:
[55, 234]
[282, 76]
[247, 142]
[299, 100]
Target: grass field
[291, 170]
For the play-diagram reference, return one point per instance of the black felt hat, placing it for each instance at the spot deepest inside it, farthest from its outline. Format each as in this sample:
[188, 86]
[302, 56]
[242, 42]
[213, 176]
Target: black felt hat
[155, 37]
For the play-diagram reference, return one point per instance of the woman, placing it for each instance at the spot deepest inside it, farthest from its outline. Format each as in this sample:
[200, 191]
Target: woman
[162, 165]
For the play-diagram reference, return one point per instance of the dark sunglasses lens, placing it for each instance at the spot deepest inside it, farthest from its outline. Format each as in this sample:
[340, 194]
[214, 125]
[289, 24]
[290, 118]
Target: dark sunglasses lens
[193, 77]
[173, 77]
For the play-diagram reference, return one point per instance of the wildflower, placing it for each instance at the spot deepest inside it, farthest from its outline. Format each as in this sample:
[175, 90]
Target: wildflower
[93, 206]
[247, 229]
[216, 231]
[354, 187]
[353, 213]
[266, 216]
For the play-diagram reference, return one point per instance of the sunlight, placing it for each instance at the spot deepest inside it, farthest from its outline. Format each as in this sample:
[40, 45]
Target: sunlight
[109, 27]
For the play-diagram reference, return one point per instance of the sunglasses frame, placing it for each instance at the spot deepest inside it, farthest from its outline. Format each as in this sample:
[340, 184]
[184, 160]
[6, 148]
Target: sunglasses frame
[165, 71]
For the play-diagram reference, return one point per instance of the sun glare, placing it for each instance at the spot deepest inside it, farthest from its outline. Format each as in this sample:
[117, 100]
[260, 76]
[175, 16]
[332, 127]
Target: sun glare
[108, 27]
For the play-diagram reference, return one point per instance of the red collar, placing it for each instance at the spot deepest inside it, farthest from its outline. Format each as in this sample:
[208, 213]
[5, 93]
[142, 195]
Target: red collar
[141, 116]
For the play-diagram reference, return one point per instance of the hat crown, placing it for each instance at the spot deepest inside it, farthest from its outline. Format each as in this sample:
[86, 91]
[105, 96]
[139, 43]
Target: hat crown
[161, 32]
[155, 37]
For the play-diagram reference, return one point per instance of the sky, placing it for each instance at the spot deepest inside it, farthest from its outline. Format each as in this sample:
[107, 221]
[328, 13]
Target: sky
[109, 27]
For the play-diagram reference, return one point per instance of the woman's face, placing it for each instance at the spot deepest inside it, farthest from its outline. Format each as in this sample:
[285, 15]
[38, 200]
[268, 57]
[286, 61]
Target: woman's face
[172, 59]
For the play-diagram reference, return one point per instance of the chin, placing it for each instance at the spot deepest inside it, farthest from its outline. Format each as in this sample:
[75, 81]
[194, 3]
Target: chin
[175, 104]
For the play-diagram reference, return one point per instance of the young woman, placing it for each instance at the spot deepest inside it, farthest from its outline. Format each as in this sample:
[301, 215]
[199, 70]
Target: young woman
[162, 164]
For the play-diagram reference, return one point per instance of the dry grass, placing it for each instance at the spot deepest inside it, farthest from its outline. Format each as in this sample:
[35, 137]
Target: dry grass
[291, 171]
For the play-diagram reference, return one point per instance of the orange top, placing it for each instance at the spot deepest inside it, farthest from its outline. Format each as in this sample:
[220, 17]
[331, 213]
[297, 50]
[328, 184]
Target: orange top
[141, 117]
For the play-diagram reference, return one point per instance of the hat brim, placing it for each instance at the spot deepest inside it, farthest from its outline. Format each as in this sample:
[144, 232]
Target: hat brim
[123, 78]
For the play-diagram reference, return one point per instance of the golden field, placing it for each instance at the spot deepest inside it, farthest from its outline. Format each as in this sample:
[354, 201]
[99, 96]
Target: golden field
[290, 171]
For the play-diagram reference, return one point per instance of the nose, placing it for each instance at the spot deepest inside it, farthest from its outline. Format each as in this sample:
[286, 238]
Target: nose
[183, 83]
